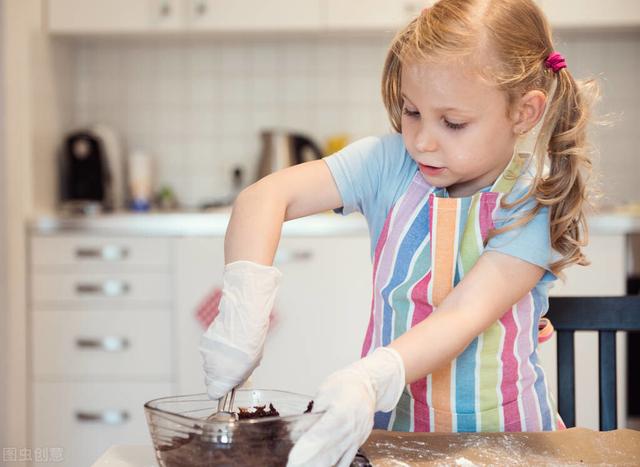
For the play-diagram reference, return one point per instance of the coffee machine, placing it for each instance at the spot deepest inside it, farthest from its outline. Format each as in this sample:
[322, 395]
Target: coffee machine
[85, 179]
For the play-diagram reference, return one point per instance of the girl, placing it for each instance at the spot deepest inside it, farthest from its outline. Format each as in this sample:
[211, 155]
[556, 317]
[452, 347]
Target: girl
[468, 234]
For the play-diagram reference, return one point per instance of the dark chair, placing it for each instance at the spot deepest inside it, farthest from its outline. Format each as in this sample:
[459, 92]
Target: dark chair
[605, 315]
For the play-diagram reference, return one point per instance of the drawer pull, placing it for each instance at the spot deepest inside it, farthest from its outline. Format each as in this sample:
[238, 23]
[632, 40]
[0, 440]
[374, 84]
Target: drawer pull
[107, 252]
[111, 288]
[292, 256]
[107, 417]
[107, 343]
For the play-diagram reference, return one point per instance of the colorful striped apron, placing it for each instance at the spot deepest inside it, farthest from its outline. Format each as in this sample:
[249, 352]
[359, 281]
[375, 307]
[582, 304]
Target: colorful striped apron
[427, 244]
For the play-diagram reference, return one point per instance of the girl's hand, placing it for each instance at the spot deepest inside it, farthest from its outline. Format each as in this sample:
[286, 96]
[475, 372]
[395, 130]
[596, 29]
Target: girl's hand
[350, 397]
[232, 346]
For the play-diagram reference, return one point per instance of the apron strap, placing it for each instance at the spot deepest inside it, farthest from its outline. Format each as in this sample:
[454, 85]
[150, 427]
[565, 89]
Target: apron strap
[545, 330]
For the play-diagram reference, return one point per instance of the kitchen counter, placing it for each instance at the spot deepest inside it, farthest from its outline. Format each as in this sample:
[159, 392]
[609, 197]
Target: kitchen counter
[214, 223]
[211, 223]
[576, 446]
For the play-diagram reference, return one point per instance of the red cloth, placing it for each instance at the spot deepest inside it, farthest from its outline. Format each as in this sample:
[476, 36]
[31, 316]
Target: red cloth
[209, 308]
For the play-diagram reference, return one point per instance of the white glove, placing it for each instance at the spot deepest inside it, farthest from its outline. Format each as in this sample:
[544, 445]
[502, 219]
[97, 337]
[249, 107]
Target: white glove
[350, 397]
[232, 345]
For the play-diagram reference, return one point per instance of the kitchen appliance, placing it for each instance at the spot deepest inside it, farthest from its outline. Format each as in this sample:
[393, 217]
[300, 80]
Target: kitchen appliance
[282, 148]
[85, 178]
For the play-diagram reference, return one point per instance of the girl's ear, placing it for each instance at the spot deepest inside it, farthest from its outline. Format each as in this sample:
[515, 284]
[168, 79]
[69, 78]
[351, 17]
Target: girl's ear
[529, 111]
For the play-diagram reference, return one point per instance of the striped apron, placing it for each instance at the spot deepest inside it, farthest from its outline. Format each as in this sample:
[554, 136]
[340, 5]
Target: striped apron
[427, 244]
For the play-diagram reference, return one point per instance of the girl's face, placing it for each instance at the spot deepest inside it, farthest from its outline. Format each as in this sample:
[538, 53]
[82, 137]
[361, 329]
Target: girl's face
[455, 126]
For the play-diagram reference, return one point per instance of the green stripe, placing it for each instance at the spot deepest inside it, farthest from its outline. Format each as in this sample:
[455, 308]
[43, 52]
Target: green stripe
[489, 362]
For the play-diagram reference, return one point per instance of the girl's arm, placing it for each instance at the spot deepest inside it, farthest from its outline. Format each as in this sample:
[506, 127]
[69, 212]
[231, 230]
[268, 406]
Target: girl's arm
[260, 210]
[494, 284]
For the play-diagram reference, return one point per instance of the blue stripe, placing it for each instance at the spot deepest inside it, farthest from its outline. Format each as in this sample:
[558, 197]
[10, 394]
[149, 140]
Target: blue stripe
[381, 420]
[539, 306]
[466, 388]
[408, 247]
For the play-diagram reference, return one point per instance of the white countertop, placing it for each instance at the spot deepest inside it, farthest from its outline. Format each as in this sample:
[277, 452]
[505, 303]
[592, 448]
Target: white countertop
[127, 456]
[214, 223]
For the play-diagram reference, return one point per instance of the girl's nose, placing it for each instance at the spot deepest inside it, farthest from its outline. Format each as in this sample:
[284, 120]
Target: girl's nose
[425, 141]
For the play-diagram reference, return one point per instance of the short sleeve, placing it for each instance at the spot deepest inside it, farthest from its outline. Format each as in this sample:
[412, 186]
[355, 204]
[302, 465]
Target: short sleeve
[357, 170]
[530, 242]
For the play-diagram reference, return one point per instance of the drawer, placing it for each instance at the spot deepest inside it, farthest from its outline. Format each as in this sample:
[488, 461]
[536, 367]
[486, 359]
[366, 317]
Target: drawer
[97, 251]
[102, 343]
[101, 287]
[79, 421]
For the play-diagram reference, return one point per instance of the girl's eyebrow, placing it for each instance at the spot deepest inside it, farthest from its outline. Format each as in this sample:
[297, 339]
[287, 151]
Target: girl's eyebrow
[440, 109]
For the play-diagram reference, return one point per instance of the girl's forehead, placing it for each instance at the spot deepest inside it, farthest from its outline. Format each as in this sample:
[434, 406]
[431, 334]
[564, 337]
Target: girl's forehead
[450, 81]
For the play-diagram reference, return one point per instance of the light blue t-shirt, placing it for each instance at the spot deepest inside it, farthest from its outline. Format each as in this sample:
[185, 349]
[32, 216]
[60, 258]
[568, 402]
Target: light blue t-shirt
[373, 173]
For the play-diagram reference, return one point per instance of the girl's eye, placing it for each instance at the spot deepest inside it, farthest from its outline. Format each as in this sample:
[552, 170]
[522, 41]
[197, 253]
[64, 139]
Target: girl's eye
[410, 113]
[454, 126]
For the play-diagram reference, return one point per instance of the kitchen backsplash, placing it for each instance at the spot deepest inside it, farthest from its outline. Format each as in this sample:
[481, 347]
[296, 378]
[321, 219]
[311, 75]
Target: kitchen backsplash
[198, 104]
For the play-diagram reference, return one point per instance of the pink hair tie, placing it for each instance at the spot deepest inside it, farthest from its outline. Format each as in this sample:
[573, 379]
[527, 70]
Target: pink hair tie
[556, 62]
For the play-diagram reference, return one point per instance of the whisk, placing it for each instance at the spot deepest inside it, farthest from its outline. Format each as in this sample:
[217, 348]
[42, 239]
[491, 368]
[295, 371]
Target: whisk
[225, 409]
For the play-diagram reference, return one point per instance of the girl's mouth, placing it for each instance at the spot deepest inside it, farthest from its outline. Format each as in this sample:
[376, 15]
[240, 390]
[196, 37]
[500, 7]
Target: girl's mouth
[430, 170]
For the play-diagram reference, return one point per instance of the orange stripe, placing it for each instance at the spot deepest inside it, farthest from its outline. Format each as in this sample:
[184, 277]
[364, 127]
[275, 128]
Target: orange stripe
[447, 214]
[443, 270]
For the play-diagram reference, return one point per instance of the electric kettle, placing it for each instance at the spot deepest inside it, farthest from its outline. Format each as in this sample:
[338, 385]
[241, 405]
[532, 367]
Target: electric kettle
[281, 149]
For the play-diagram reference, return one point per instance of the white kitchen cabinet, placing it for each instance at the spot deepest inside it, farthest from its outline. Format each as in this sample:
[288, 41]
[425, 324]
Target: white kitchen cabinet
[604, 277]
[156, 16]
[372, 14]
[246, 15]
[114, 16]
[320, 315]
[101, 338]
[592, 13]
[80, 420]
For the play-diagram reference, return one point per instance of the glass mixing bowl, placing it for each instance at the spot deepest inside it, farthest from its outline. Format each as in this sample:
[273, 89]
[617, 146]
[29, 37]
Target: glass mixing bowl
[182, 435]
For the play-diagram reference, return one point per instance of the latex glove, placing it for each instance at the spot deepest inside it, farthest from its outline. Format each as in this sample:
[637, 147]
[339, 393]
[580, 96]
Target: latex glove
[350, 397]
[232, 345]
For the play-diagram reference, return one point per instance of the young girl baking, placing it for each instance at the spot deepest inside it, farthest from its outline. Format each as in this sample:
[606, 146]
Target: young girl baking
[467, 231]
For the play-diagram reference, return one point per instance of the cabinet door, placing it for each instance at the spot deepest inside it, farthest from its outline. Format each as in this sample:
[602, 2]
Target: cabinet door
[372, 14]
[199, 266]
[592, 13]
[320, 315]
[255, 15]
[74, 423]
[114, 16]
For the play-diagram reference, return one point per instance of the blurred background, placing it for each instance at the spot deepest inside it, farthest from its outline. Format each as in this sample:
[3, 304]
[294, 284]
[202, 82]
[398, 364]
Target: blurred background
[129, 126]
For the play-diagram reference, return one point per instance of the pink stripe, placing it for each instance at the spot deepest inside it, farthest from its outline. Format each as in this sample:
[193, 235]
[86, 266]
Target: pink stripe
[527, 372]
[418, 389]
[488, 203]
[509, 386]
[366, 346]
[406, 209]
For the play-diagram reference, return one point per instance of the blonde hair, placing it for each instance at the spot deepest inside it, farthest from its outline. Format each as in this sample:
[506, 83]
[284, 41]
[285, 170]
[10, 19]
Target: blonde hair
[517, 36]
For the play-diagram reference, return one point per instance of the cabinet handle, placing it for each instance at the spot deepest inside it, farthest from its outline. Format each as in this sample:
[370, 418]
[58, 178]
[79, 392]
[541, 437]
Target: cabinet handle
[107, 417]
[111, 288]
[293, 256]
[201, 7]
[107, 343]
[165, 8]
[108, 252]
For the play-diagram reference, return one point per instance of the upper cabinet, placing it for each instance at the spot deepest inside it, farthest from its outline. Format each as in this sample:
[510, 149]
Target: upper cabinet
[371, 14]
[114, 16]
[248, 15]
[592, 13]
[145, 16]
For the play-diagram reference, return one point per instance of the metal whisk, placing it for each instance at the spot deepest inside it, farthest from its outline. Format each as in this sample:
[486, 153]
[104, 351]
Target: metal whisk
[225, 409]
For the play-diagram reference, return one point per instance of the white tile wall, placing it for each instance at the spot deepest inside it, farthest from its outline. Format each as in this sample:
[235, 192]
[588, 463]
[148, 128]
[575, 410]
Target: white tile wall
[198, 104]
